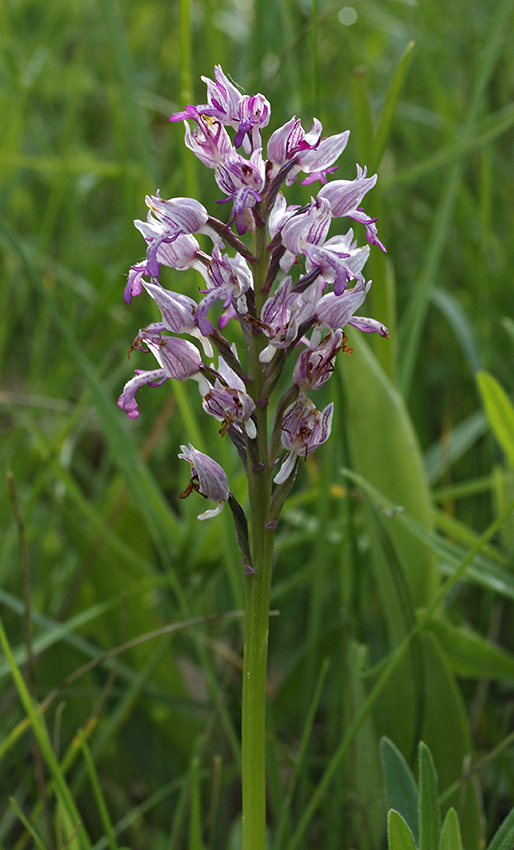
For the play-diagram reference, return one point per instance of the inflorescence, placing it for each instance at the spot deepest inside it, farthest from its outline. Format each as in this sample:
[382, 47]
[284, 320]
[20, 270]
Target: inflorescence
[311, 287]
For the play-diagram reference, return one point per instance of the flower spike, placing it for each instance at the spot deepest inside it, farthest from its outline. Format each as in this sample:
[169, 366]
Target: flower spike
[296, 292]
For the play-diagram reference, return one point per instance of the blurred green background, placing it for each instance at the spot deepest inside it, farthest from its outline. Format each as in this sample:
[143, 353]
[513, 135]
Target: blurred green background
[86, 88]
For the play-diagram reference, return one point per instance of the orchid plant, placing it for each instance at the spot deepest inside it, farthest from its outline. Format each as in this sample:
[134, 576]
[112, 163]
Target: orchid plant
[291, 289]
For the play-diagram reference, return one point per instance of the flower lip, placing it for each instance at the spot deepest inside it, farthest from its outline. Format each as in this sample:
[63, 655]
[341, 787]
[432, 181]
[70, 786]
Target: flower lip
[304, 429]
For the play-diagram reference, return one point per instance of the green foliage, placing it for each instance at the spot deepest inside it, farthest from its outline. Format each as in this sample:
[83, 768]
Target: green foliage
[422, 806]
[500, 412]
[120, 624]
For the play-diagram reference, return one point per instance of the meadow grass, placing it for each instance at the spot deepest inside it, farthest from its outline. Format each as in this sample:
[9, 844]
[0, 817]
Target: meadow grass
[137, 743]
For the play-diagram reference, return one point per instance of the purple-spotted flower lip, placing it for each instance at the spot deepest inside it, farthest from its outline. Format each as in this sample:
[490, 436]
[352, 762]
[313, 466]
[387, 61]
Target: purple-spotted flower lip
[242, 180]
[303, 429]
[314, 366]
[281, 316]
[228, 279]
[229, 402]
[207, 478]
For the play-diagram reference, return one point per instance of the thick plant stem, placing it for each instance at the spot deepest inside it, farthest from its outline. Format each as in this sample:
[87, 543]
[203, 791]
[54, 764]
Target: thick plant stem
[257, 599]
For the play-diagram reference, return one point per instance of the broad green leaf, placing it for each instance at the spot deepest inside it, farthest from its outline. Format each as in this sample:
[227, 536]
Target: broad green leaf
[500, 412]
[398, 833]
[401, 789]
[457, 742]
[385, 451]
[470, 654]
[450, 833]
[429, 815]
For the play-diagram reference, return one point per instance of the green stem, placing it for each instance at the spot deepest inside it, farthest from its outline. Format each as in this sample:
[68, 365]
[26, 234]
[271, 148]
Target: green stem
[257, 596]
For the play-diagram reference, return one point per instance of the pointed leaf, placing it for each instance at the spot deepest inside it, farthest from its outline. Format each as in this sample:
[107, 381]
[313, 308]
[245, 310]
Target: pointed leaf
[450, 833]
[446, 732]
[500, 412]
[398, 833]
[504, 837]
[429, 816]
[401, 789]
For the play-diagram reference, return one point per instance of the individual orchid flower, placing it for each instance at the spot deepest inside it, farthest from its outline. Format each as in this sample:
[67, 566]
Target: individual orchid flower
[305, 152]
[168, 231]
[210, 142]
[224, 98]
[207, 478]
[177, 358]
[177, 251]
[230, 405]
[167, 244]
[228, 279]
[178, 314]
[317, 163]
[303, 429]
[243, 181]
[308, 227]
[185, 215]
[286, 142]
[339, 260]
[345, 196]
[229, 402]
[279, 214]
[244, 113]
[281, 316]
[335, 311]
[315, 365]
